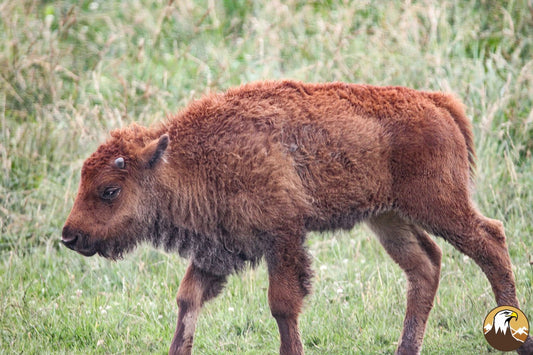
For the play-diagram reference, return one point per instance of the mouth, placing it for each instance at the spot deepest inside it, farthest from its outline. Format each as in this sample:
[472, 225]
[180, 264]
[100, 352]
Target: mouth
[86, 252]
[71, 243]
[89, 245]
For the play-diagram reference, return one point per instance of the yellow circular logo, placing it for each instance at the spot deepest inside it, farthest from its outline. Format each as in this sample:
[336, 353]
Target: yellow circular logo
[506, 328]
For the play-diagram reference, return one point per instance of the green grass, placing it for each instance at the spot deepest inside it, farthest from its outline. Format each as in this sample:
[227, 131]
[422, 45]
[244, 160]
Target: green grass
[72, 70]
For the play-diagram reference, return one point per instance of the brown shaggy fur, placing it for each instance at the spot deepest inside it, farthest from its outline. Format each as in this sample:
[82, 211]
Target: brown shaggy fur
[244, 175]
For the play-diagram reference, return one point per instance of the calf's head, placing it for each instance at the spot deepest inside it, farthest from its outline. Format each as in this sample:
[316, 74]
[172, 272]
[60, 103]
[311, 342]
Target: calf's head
[113, 204]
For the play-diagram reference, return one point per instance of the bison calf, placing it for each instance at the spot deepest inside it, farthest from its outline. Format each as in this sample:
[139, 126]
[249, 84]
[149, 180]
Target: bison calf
[244, 175]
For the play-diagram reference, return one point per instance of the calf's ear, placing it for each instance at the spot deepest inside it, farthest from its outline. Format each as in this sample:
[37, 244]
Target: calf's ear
[152, 153]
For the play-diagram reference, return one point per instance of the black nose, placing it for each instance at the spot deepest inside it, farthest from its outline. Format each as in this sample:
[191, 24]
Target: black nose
[79, 241]
[69, 237]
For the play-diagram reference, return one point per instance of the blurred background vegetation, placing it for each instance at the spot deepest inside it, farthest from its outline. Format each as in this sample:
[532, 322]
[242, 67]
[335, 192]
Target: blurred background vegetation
[72, 70]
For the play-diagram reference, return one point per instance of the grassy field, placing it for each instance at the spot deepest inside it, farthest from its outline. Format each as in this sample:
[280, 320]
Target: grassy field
[72, 70]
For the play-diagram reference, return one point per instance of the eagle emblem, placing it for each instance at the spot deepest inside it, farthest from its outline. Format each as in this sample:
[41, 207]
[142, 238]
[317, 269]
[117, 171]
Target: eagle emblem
[506, 328]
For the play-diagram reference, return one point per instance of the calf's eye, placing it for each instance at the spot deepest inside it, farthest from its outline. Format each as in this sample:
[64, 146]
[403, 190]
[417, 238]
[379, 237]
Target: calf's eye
[110, 193]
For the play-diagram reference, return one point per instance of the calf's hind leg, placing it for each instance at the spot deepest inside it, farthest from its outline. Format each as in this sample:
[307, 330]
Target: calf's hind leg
[419, 257]
[196, 288]
[483, 239]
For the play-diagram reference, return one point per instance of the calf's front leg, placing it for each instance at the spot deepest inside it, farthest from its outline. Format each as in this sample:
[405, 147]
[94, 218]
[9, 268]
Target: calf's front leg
[196, 287]
[289, 282]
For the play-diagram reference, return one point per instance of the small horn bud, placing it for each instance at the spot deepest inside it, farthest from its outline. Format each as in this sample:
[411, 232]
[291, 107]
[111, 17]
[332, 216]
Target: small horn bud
[119, 162]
